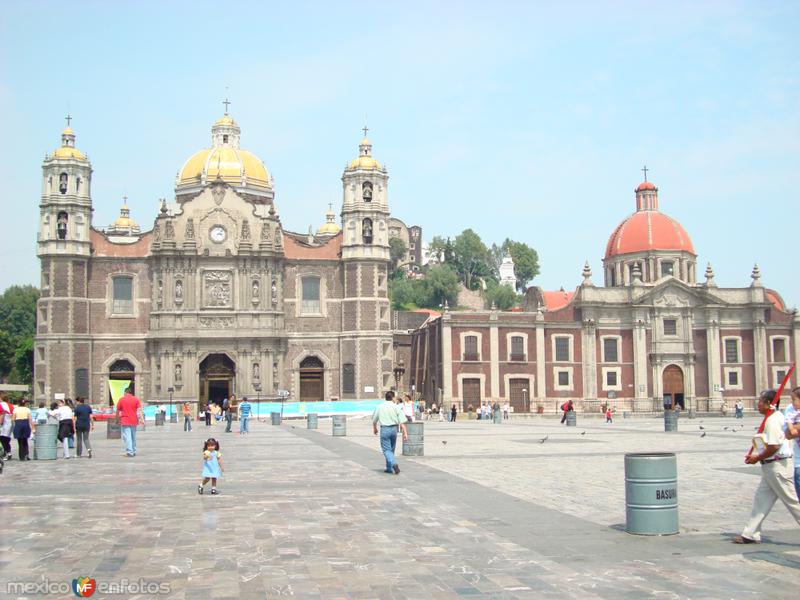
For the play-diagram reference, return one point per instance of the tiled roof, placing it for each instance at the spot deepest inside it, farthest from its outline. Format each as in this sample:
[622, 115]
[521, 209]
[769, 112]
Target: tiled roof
[558, 299]
[102, 246]
[294, 249]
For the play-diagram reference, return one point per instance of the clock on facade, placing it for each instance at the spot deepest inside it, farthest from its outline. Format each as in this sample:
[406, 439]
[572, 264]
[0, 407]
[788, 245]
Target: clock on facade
[217, 234]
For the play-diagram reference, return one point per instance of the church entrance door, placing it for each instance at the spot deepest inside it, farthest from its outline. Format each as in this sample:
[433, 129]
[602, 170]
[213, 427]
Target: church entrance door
[217, 372]
[673, 387]
[312, 380]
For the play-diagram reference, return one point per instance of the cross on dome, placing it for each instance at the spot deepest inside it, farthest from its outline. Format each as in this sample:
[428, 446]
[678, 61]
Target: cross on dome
[365, 129]
[226, 102]
[645, 170]
[69, 119]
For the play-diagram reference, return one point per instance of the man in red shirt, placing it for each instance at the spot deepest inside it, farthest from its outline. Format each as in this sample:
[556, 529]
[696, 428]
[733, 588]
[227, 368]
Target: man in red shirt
[129, 413]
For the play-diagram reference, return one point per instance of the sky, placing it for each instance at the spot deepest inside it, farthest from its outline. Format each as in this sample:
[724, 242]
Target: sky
[522, 120]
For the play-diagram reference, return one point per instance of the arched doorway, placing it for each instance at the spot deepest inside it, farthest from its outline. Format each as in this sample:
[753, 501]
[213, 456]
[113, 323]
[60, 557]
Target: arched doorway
[672, 379]
[312, 380]
[121, 374]
[217, 372]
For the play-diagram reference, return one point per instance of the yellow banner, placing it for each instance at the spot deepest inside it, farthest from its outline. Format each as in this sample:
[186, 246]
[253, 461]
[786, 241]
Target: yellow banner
[117, 387]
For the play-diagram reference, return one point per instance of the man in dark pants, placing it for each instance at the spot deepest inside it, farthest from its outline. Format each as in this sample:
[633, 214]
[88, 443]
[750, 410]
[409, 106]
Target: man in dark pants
[566, 407]
[226, 410]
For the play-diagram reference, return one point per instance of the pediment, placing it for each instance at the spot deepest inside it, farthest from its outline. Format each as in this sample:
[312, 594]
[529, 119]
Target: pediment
[673, 293]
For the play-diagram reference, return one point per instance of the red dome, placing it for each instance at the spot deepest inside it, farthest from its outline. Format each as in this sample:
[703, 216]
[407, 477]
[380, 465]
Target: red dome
[648, 230]
[645, 185]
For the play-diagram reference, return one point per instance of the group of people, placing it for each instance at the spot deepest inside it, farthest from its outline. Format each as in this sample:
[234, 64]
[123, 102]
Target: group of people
[229, 408]
[74, 420]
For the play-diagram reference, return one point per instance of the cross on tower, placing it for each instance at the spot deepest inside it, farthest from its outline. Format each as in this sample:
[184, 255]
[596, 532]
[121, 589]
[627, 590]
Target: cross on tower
[365, 130]
[69, 119]
[645, 169]
[125, 199]
[330, 205]
[226, 102]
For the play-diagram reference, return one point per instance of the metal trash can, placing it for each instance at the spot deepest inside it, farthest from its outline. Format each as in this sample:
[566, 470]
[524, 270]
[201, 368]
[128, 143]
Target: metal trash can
[498, 416]
[651, 493]
[572, 419]
[339, 425]
[671, 420]
[312, 421]
[415, 444]
[159, 419]
[626, 415]
[45, 442]
[173, 417]
[276, 418]
[113, 429]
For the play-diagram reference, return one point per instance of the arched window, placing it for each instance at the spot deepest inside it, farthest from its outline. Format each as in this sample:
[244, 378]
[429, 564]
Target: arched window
[121, 366]
[62, 183]
[366, 191]
[311, 362]
[366, 230]
[61, 225]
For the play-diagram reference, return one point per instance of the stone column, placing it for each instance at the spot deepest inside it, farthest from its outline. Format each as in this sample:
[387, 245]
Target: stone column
[641, 395]
[494, 357]
[714, 362]
[589, 359]
[447, 359]
[760, 353]
[541, 366]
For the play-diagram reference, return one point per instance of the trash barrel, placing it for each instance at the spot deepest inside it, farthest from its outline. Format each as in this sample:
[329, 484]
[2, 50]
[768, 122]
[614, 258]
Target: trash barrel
[312, 420]
[415, 444]
[276, 418]
[626, 415]
[159, 419]
[651, 493]
[498, 416]
[113, 429]
[670, 420]
[173, 417]
[45, 442]
[572, 419]
[339, 425]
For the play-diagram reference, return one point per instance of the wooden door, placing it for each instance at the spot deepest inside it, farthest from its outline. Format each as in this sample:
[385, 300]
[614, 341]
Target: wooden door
[311, 385]
[519, 394]
[673, 385]
[471, 394]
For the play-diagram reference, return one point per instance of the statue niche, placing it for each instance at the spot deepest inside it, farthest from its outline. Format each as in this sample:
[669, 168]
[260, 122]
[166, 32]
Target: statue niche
[366, 191]
[61, 225]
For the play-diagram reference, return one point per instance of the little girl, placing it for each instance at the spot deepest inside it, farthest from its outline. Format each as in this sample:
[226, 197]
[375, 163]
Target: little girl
[212, 465]
[608, 415]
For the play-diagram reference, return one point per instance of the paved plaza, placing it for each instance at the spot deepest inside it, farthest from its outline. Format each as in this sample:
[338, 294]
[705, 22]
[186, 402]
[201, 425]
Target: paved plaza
[489, 511]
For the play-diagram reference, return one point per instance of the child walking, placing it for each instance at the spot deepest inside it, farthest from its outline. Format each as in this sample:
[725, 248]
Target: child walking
[212, 465]
[608, 415]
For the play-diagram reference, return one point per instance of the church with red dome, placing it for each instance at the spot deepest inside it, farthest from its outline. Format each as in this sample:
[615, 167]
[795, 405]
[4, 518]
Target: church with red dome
[650, 337]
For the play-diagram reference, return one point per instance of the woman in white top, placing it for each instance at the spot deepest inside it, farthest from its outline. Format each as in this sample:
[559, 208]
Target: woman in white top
[408, 408]
[66, 426]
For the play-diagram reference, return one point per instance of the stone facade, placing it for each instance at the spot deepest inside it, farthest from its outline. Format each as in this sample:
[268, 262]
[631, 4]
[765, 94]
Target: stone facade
[217, 298]
[653, 337]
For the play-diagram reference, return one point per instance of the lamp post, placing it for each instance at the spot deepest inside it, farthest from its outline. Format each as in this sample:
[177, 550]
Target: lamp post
[173, 418]
[525, 406]
[399, 370]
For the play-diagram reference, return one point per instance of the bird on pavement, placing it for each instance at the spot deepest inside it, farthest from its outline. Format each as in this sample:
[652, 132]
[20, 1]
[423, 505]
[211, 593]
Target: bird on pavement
[583, 433]
[544, 439]
[444, 442]
[703, 434]
[725, 428]
[701, 427]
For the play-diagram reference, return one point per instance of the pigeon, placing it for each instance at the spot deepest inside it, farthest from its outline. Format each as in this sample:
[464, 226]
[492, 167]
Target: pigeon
[701, 427]
[703, 434]
[444, 442]
[544, 439]
[725, 428]
[583, 433]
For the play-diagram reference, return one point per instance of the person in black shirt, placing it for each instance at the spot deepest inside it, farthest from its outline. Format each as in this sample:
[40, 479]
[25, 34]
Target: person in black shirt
[83, 425]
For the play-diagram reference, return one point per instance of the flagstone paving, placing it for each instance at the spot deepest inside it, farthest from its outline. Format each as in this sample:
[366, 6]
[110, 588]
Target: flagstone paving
[490, 513]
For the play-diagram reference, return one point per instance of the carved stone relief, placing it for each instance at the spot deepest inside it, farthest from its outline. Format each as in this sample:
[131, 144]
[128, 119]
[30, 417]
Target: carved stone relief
[178, 292]
[169, 230]
[216, 322]
[217, 288]
[218, 192]
[246, 231]
[189, 229]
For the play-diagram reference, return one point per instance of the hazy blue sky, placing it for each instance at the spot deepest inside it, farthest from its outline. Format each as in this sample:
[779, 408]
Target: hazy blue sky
[519, 119]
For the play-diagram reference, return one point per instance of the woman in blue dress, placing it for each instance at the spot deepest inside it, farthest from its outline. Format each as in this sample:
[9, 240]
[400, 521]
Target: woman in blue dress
[212, 465]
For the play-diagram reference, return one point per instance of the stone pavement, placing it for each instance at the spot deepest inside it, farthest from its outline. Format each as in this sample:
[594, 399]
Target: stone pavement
[491, 513]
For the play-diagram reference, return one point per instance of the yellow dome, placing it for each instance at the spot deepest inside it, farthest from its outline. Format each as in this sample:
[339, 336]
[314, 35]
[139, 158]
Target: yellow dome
[365, 162]
[225, 120]
[227, 163]
[329, 229]
[68, 152]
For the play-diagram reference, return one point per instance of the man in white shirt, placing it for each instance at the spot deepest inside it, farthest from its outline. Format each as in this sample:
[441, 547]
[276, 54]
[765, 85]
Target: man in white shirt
[792, 415]
[777, 472]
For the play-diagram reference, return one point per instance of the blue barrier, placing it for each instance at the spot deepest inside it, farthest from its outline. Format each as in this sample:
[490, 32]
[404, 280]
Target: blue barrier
[294, 409]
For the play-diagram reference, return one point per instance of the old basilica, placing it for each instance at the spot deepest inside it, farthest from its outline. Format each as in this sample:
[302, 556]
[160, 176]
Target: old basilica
[217, 298]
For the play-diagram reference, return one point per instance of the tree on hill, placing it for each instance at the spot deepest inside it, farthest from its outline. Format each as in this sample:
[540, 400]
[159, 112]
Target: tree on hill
[397, 252]
[526, 262]
[471, 259]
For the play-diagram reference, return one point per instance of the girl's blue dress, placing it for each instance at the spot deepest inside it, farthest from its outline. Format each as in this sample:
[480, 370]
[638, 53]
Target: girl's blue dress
[211, 465]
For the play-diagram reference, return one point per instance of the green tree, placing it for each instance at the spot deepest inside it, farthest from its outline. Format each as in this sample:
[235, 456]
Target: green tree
[17, 329]
[441, 249]
[526, 263]
[440, 284]
[405, 293]
[503, 296]
[397, 253]
[471, 258]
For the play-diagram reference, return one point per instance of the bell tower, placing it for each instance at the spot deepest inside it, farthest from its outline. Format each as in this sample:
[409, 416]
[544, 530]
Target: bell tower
[366, 334]
[66, 206]
[62, 346]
